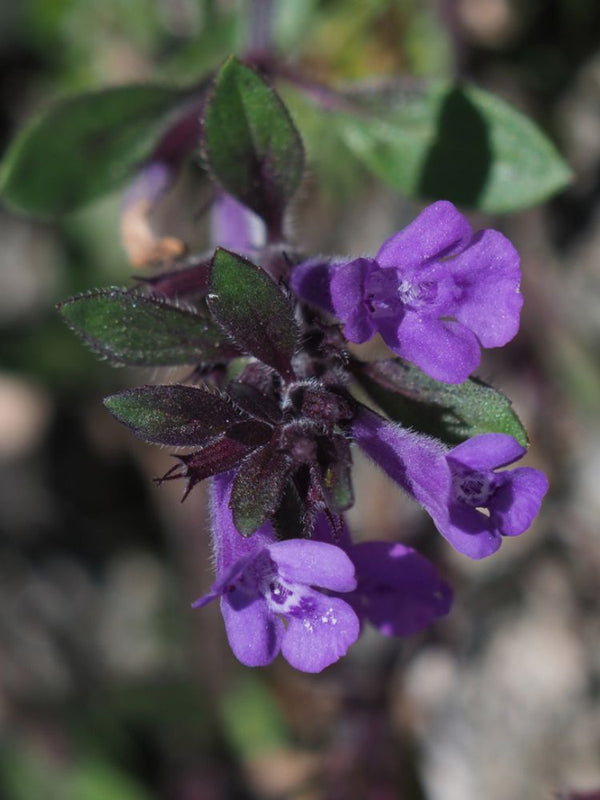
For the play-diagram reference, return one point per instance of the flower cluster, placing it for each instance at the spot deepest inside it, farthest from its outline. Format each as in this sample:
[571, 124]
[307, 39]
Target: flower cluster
[269, 411]
[436, 293]
[277, 439]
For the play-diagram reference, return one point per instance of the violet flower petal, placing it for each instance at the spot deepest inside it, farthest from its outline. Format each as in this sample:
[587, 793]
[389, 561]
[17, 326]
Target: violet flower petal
[310, 280]
[320, 631]
[487, 451]
[416, 462]
[234, 226]
[517, 501]
[399, 591]
[323, 532]
[314, 563]
[348, 297]
[220, 586]
[439, 231]
[488, 274]
[469, 531]
[445, 350]
[254, 632]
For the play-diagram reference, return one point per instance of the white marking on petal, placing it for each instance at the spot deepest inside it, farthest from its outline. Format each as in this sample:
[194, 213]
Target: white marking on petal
[329, 616]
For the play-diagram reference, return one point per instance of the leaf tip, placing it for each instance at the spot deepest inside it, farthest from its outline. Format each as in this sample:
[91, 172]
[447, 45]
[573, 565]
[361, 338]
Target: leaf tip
[111, 403]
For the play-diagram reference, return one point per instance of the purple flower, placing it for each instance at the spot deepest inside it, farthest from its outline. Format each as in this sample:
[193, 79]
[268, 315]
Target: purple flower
[235, 227]
[435, 292]
[398, 591]
[263, 582]
[471, 505]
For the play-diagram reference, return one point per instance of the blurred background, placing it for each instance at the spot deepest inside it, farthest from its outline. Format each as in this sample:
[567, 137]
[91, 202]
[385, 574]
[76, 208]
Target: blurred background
[111, 688]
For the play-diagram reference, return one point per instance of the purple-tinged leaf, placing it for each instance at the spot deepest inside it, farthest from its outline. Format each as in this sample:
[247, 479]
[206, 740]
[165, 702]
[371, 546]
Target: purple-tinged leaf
[263, 378]
[251, 146]
[321, 404]
[253, 311]
[250, 432]
[188, 281]
[220, 455]
[450, 412]
[137, 330]
[258, 488]
[291, 520]
[175, 415]
[254, 402]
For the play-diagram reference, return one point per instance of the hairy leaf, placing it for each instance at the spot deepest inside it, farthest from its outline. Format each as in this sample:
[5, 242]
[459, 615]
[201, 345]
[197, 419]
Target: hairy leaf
[291, 520]
[254, 402]
[251, 145]
[451, 412]
[176, 415]
[141, 330]
[252, 310]
[250, 432]
[189, 281]
[219, 455]
[86, 146]
[258, 488]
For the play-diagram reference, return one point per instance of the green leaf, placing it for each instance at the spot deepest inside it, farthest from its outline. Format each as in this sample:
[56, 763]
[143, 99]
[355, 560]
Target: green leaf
[450, 412]
[176, 415]
[252, 310]
[291, 520]
[85, 147]
[140, 330]
[251, 146]
[337, 476]
[433, 140]
[258, 488]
